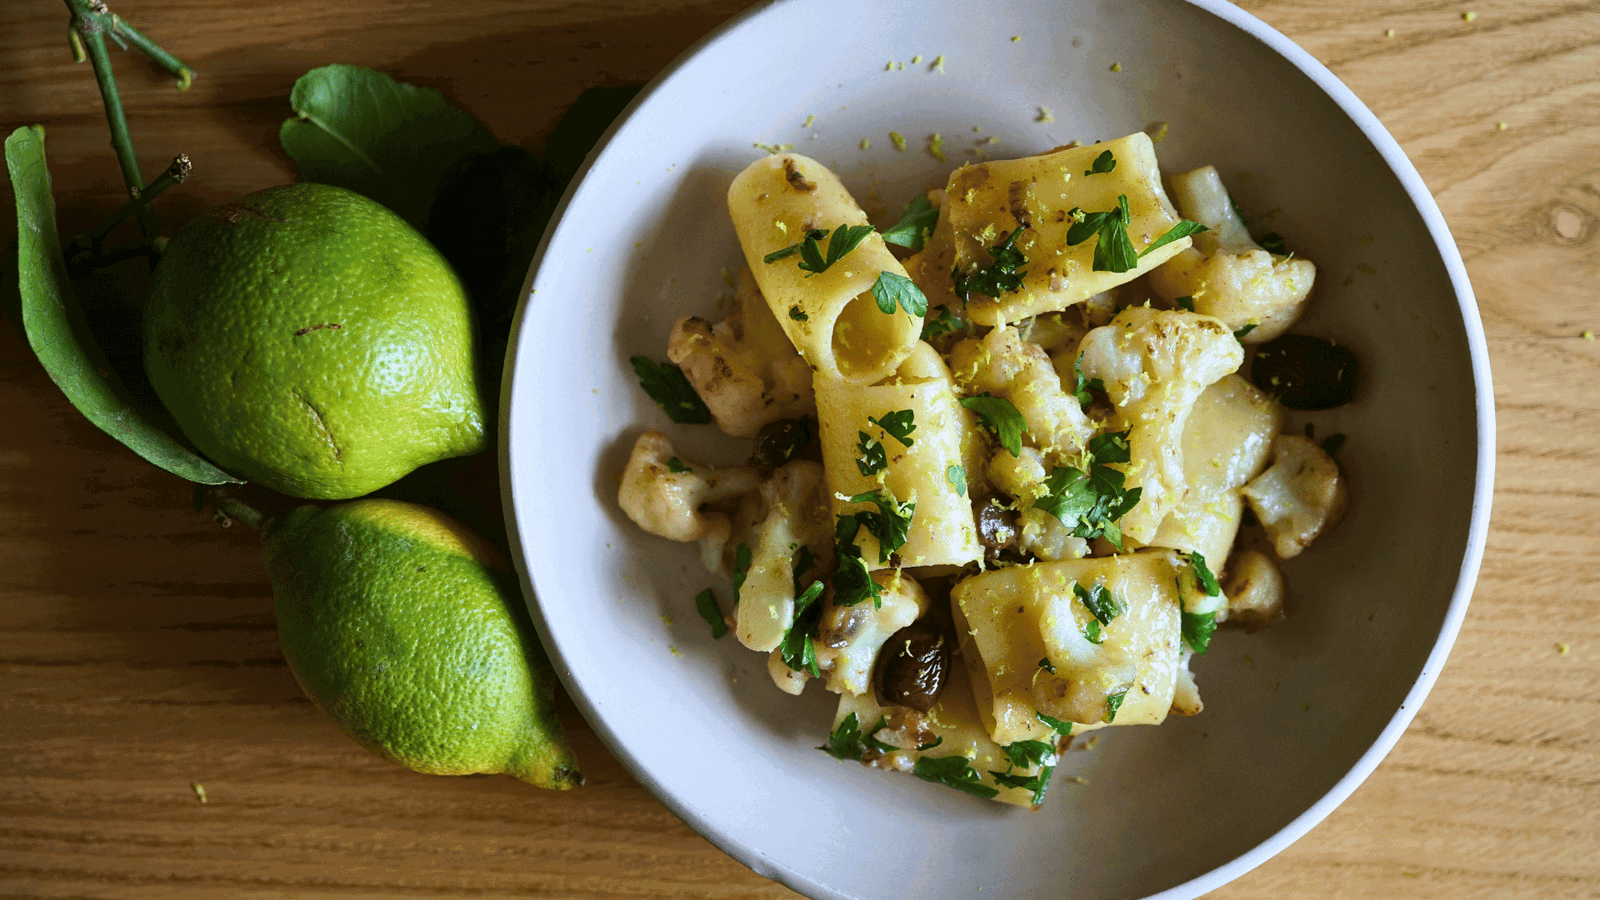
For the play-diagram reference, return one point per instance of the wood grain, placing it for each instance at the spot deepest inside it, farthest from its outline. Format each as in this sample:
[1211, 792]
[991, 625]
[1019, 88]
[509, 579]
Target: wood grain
[137, 649]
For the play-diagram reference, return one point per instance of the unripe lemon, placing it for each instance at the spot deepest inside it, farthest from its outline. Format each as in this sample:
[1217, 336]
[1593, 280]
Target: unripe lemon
[399, 623]
[307, 338]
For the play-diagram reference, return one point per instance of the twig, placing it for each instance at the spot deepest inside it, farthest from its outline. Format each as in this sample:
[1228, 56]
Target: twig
[176, 173]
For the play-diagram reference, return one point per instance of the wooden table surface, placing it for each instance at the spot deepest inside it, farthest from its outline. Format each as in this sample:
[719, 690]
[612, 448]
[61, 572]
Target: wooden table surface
[138, 655]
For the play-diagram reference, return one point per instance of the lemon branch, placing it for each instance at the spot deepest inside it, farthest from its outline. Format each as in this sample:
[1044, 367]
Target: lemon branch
[91, 22]
[228, 508]
[90, 248]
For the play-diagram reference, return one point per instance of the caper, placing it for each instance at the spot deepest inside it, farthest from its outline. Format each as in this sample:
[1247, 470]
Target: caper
[997, 527]
[914, 667]
[1305, 372]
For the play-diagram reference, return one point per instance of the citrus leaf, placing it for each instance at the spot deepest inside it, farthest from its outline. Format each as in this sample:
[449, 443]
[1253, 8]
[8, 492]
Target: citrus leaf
[584, 123]
[362, 130]
[56, 330]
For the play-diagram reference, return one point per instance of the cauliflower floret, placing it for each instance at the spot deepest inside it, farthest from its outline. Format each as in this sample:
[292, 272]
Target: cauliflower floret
[1299, 496]
[1037, 532]
[744, 368]
[1003, 364]
[791, 511]
[1227, 273]
[1255, 590]
[851, 637]
[1154, 365]
[668, 497]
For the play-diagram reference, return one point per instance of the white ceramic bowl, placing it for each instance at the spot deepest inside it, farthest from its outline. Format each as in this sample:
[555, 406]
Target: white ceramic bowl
[1296, 716]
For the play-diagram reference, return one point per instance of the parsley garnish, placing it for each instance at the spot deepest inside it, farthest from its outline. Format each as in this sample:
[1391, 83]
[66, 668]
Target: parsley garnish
[1001, 417]
[848, 742]
[1331, 444]
[667, 386]
[1185, 303]
[1102, 164]
[1197, 630]
[956, 476]
[797, 315]
[741, 569]
[1114, 703]
[1083, 385]
[1090, 503]
[1114, 252]
[1202, 574]
[915, 224]
[891, 289]
[873, 458]
[1248, 327]
[1044, 663]
[676, 466]
[1033, 783]
[943, 323]
[1056, 725]
[931, 744]
[845, 239]
[899, 424]
[999, 276]
[797, 650]
[852, 582]
[706, 603]
[891, 524]
[1027, 754]
[1100, 603]
[953, 771]
[1272, 242]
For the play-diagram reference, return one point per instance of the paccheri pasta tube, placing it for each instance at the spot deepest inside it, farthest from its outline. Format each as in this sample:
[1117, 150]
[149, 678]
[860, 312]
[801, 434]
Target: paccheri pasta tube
[831, 316]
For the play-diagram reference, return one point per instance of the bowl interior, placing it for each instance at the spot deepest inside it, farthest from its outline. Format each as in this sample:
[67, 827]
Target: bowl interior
[1290, 712]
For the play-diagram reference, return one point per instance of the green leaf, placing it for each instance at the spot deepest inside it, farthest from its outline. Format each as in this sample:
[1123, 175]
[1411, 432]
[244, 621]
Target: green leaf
[844, 239]
[874, 458]
[362, 130]
[676, 466]
[891, 524]
[1272, 242]
[1082, 386]
[1001, 417]
[1027, 754]
[1114, 703]
[1056, 725]
[943, 323]
[1185, 303]
[915, 224]
[705, 603]
[1101, 603]
[952, 771]
[899, 424]
[741, 569]
[1090, 503]
[1183, 229]
[1197, 630]
[796, 314]
[584, 123]
[56, 330]
[891, 289]
[1248, 327]
[848, 741]
[668, 386]
[1036, 783]
[1202, 574]
[956, 476]
[1102, 164]
[852, 581]
[1000, 276]
[798, 648]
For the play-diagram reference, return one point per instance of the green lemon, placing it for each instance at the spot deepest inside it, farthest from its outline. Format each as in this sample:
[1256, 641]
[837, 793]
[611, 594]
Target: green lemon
[307, 338]
[398, 622]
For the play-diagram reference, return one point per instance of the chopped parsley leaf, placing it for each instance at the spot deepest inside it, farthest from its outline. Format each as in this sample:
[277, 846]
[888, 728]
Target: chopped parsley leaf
[1114, 252]
[1001, 417]
[1056, 725]
[899, 424]
[1093, 633]
[943, 323]
[953, 771]
[797, 315]
[844, 239]
[1103, 164]
[815, 234]
[1183, 229]
[956, 476]
[1035, 784]
[852, 582]
[669, 387]
[1000, 276]
[891, 524]
[915, 224]
[1101, 603]
[1197, 630]
[873, 458]
[1027, 754]
[931, 744]
[1044, 663]
[676, 466]
[1272, 242]
[1202, 574]
[1331, 444]
[741, 569]
[1248, 327]
[1185, 303]
[891, 289]
[1090, 503]
[706, 603]
[848, 742]
[1114, 703]
[1084, 385]
[798, 649]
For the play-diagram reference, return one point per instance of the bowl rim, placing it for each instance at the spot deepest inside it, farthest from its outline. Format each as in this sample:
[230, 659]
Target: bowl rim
[1421, 198]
